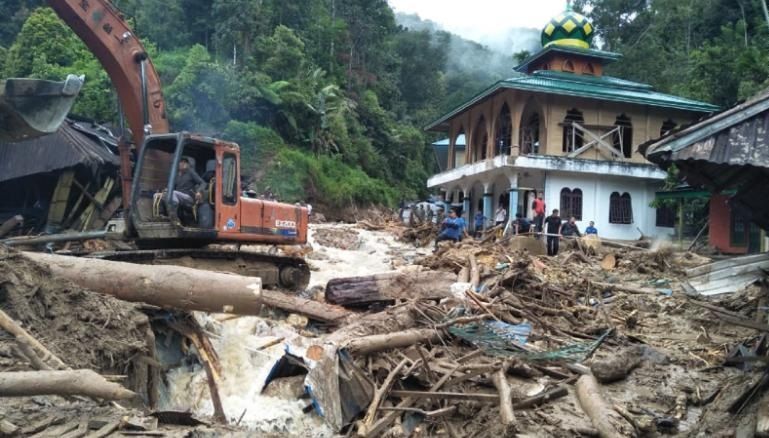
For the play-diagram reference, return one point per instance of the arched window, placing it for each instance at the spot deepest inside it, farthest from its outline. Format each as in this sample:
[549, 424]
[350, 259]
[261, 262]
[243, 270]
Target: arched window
[623, 138]
[667, 126]
[572, 137]
[620, 208]
[571, 203]
[503, 139]
[588, 69]
[481, 137]
[530, 135]
[460, 145]
[568, 66]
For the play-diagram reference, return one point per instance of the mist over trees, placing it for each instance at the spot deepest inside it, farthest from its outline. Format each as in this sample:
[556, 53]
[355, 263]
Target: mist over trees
[327, 98]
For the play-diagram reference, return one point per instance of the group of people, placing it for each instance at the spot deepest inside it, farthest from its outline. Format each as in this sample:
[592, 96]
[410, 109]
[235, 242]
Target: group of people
[454, 228]
[480, 219]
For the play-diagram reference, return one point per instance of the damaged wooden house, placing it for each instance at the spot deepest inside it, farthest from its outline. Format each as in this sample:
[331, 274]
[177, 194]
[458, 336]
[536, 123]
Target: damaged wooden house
[728, 156]
[65, 180]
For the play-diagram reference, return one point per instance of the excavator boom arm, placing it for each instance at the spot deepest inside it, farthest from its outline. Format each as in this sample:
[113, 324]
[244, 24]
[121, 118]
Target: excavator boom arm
[101, 27]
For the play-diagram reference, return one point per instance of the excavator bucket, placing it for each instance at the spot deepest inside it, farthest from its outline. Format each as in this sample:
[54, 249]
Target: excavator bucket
[33, 107]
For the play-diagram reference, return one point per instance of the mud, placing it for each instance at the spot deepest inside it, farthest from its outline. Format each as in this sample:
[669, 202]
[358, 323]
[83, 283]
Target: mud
[83, 328]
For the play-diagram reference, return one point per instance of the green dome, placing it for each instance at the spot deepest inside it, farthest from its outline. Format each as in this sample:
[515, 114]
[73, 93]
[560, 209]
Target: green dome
[568, 29]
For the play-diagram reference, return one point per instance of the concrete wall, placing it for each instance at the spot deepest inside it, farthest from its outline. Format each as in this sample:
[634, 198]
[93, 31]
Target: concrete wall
[596, 191]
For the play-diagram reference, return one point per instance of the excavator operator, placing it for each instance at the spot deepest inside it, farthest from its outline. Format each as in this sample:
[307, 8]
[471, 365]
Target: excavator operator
[188, 189]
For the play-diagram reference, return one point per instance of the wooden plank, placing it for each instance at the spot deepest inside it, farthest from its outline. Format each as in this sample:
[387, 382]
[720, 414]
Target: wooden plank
[762, 417]
[81, 431]
[71, 217]
[88, 215]
[105, 430]
[106, 213]
[465, 396]
[42, 424]
[60, 197]
[56, 432]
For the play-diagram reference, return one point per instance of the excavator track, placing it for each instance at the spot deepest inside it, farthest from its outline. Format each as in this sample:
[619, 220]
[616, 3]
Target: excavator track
[290, 273]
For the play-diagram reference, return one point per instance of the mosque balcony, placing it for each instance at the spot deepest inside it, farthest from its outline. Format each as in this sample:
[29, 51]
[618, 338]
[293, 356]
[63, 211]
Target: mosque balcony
[510, 164]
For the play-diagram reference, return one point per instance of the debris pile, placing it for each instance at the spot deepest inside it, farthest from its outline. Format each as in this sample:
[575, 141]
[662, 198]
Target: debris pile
[482, 338]
[341, 238]
[559, 346]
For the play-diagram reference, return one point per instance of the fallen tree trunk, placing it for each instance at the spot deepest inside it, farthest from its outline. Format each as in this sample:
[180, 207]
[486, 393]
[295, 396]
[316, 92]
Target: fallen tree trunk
[592, 402]
[10, 224]
[69, 382]
[389, 286]
[762, 417]
[7, 323]
[387, 341]
[180, 287]
[506, 414]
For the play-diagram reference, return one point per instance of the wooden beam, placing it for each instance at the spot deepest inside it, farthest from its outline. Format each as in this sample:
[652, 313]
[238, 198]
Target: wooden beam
[60, 197]
[465, 396]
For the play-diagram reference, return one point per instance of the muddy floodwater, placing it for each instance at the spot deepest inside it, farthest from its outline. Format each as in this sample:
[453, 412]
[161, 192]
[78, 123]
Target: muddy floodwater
[343, 251]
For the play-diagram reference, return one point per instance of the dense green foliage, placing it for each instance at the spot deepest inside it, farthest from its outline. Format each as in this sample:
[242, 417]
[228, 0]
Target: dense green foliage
[326, 98]
[712, 50]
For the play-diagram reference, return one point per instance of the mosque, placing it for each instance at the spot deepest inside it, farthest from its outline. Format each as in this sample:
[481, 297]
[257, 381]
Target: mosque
[561, 127]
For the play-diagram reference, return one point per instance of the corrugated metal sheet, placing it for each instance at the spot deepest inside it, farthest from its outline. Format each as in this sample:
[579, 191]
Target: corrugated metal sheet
[739, 136]
[68, 147]
[727, 276]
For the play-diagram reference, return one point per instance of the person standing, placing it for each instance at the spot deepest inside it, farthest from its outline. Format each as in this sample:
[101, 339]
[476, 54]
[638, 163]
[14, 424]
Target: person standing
[479, 220]
[500, 215]
[539, 211]
[453, 228]
[553, 228]
[591, 229]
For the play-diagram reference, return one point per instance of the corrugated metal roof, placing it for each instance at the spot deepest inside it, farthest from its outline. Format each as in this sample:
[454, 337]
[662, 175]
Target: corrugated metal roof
[605, 88]
[728, 151]
[737, 136]
[68, 147]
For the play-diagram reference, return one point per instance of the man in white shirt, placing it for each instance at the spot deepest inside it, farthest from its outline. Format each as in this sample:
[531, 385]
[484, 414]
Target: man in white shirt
[500, 215]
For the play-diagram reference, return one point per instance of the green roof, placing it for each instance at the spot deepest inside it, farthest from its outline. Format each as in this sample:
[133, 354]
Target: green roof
[605, 88]
[605, 57]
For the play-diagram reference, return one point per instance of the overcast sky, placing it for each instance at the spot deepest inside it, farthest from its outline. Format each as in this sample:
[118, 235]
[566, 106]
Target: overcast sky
[482, 19]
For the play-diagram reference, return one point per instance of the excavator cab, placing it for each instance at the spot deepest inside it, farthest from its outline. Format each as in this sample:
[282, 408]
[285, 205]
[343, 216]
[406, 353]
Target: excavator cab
[221, 214]
[153, 211]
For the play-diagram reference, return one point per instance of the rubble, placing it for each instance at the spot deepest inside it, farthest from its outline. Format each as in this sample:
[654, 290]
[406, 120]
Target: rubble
[480, 338]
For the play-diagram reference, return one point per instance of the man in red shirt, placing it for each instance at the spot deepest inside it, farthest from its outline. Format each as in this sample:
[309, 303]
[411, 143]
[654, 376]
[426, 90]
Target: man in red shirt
[539, 211]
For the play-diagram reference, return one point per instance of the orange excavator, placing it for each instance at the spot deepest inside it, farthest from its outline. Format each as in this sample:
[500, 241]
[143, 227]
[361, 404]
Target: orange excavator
[149, 165]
